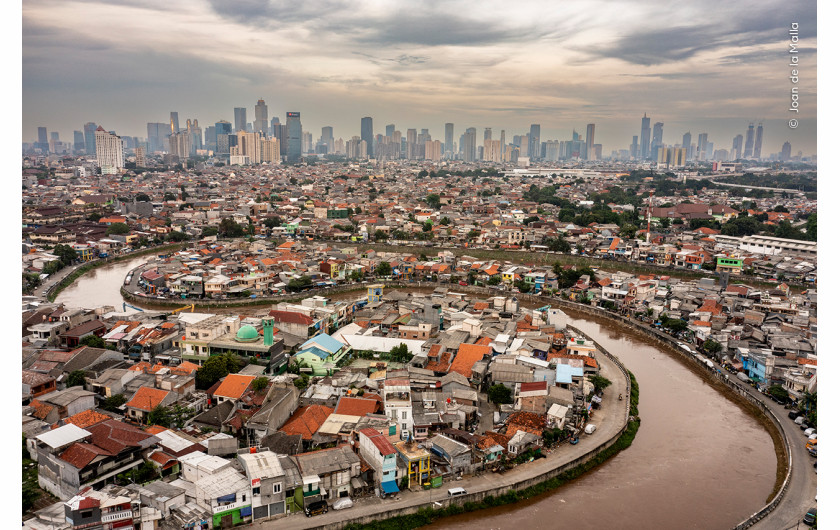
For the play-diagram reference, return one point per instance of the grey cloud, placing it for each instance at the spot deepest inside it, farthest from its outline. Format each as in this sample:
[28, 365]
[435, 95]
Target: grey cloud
[437, 29]
[273, 14]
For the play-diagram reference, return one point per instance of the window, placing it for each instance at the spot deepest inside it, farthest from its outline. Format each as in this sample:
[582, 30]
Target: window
[404, 414]
[243, 497]
[278, 488]
[87, 514]
[255, 491]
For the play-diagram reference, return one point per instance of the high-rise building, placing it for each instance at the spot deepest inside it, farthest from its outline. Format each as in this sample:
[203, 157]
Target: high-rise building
[702, 146]
[223, 131]
[275, 121]
[759, 132]
[389, 129]
[448, 134]
[645, 138]
[737, 144]
[277, 130]
[261, 117]
[411, 144]
[327, 139]
[367, 134]
[785, 154]
[469, 145]
[181, 144]
[42, 142]
[634, 148]
[748, 144]
[590, 141]
[488, 133]
[502, 145]
[90, 138]
[109, 151]
[656, 139]
[78, 141]
[686, 140]
[294, 135]
[174, 124]
[210, 137]
[155, 135]
[240, 119]
[534, 142]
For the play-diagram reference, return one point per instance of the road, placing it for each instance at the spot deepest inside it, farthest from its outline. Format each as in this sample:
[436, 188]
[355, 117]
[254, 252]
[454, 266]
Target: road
[609, 419]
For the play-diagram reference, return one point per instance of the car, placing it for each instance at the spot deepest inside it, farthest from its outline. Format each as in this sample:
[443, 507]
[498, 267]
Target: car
[810, 517]
[809, 431]
[456, 492]
[316, 508]
[343, 503]
[793, 414]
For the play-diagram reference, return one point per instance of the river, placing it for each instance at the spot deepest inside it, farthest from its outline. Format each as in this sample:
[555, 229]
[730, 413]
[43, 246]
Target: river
[698, 460]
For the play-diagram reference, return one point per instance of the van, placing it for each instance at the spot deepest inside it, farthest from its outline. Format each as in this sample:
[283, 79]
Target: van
[456, 492]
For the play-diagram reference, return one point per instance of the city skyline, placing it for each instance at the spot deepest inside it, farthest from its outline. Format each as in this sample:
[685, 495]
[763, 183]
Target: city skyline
[423, 69]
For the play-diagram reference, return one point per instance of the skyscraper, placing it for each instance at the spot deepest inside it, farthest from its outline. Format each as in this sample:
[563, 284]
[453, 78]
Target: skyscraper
[78, 141]
[109, 151]
[240, 119]
[389, 130]
[757, 148]
[645, 138]
[223, 131]
[448, 133]
[785, 154]
[590, 141]
[702, 145]
[411, 144]
[488, 133]
[90, 138]
[634, 148]
[534, 142]
[469, 145]
[174, 125]
[294, 134]
[327, 135]
[737, 144]
[686, 140]
[275, 121]
[748, 145]
[367, 134]
[43, 143]
[656, 140]
[261, 117]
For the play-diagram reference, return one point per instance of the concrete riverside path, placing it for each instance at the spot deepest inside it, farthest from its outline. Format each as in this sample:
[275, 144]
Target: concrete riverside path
[609, 419]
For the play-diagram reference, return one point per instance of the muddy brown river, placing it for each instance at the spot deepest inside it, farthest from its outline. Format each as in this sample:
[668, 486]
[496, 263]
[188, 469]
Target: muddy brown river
[698, 460]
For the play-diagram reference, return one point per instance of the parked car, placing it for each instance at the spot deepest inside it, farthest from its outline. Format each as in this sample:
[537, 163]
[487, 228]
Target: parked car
[457, 492]
[316, 508]
[809, 431]
[793, 414]
[810, 517]
[341, 504]
[590, 428]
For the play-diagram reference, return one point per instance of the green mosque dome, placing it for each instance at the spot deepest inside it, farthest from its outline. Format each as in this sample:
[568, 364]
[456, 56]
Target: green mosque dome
[247, 334]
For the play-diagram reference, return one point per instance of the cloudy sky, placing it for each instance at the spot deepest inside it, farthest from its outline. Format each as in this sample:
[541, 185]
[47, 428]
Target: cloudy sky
[701, 66]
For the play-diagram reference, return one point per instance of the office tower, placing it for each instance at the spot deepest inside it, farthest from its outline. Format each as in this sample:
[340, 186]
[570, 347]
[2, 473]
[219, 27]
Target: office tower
[140, 156]
[748, 145]
[686, 140]
[174, 124]
[223, 131]
[702, 146]
[645, 138]
[275, 121]
[261, 117]
[277, 131]
[448, 136]
[737, 144]
[194, 131]
[78, 141]
[785, 154]
[90, 138]
[492, 150]
[54, 142]
[42, 143]
[210, 137]
[597, 149]
[294, 134]
[410, 144]
[502, 144]
[327, 138]
[488, 133]
[534, 142]
[656, 139]
[710, 150]
[634, 148]
[552, 150]
[240, 119]
[109, 151]
[306, 142]
[367, 134]
[468, 142]
[757, 147]
[180, 144]
[389, 129]
[590, 141]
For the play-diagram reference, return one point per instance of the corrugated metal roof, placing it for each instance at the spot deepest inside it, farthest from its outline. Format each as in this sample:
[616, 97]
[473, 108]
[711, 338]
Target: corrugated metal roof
[63, 436]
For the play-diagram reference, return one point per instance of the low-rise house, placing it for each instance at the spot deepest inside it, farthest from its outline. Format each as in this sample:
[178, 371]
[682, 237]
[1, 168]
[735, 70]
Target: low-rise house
[457, 456]
[144, 402]
[227, 494]
[381, 455]
[268, 488]
[320, 354]
[328, 472]
[277, 407]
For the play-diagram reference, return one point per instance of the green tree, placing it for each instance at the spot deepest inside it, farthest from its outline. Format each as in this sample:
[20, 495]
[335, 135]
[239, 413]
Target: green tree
[160, 415]
[169, 196]
[113, 403]
[93, 341]
[65, 253]
[778, 392]
[76, 378]
[811, 227]
[496, 279]
[433, 200]
[229, 228]
[142, 197]
[384, 269]
[209, 231]
[400, 354]
[379, 235]
[117, 228]
[599, 382]
[472, 234]
[298, 284]
[259, 384]
[445, 221]
[177, 236]
[499, 394]
[712, 346]
[215, 368]
[302, 382]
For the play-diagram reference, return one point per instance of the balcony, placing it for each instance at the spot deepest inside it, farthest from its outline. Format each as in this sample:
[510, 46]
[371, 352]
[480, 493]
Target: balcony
[117, 516]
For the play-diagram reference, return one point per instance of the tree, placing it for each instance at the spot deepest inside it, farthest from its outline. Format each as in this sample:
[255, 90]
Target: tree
[384, 269]
[215, 368]
[229, 228]
[209, 231]
[168, 196]
[499, 394]
[433, 200]
[778, 392]
[302, 382]
[160, 415]
[712, 346]
[379, 235]
[118, 228]
[400, 354]
[472, 234]
[93, 341]
[496, 279]
[259, 384]
[65, 253]
[558, 244]
[445, 221]
[142, 197]
[76, 378]
[177, 236]
[113, 403]
[599, 382]
[299, 284]
[811, 227]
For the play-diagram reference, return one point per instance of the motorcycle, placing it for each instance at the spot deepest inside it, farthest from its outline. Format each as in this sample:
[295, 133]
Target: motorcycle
[620, 397]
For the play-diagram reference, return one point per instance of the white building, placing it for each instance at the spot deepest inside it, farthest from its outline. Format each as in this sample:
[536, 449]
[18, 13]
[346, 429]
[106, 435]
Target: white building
[109, 151]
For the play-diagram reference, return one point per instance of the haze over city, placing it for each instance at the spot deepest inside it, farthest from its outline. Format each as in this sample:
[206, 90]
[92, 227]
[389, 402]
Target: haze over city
[699, 67]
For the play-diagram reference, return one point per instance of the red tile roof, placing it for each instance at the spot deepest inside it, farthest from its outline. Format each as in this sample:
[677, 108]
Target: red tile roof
[291, 317]
[147, 398]
[355, 406]
[234, 385]
[526, 421]
[80, 455]
[468, 355]
[85, 419]
[306, 421]
[115, 436]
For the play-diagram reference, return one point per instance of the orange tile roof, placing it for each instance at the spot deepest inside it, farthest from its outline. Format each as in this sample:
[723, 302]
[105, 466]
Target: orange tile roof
[468, 355]
[147, 398]
[484, 341]
[481, 306]
[234, 385]
[42, 410]
[85, 419]
[355, 406]
[306, 421]
[185, 368]
[526, 421]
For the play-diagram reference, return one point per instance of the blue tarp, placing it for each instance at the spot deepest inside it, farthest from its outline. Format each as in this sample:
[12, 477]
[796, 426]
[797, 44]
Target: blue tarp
[227, 498]
[390, 487]
[245, 512]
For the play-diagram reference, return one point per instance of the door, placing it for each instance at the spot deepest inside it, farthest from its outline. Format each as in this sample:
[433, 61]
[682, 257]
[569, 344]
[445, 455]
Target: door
[227, 521]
